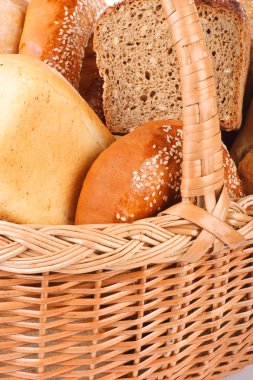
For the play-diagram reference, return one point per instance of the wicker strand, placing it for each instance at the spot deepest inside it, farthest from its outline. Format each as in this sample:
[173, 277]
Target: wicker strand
[74, 249]
[115, 302]
[202, 136]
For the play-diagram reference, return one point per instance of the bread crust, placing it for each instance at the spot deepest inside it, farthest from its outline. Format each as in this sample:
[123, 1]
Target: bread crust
[63, 33]
[139, 175]
[233, 6]
[12, 17]
[245, 170]
[91, 83]
[48, 140]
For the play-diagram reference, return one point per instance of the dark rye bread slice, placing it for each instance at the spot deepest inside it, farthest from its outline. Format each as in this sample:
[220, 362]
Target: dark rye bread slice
[140, 69]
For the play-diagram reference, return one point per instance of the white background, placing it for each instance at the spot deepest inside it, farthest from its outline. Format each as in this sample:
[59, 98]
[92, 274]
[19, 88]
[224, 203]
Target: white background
[248, 373]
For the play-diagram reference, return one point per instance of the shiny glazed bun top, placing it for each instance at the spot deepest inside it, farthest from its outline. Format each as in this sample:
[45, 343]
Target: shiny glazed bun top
[57, 31]
[140, 175]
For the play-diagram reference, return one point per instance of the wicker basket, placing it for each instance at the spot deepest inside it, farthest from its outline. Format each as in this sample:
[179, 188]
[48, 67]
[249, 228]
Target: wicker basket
[165, 298]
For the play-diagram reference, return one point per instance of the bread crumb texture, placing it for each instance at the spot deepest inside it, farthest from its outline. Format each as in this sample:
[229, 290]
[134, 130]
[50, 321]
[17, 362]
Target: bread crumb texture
[140, 69]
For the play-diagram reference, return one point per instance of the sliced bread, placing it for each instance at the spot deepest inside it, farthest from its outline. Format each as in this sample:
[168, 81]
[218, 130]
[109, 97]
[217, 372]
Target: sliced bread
[138, 63]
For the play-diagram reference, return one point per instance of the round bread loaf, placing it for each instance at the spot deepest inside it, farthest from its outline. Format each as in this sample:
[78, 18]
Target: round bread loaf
[139, 175]
[57, 32]
[12, 16]
[91, 83]
[49, 138]
[245, 170]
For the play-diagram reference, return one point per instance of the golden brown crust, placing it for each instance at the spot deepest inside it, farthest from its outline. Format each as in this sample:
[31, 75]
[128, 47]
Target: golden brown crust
[139, 175]
[245, 170]
[49, 140]
[91, 83]
[244, 140]
[12, 16]
[58, 31]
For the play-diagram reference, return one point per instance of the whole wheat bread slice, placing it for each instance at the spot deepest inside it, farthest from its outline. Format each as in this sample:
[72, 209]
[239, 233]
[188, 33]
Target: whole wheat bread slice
[140, 69]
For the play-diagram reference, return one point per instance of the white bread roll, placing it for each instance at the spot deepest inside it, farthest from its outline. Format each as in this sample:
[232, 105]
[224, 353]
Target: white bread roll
[12, 16]
[49, 137]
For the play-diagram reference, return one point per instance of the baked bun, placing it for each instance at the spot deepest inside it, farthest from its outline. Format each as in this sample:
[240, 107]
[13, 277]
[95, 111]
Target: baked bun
[91, 83]
[12, 16]
[244, 139]
[49, 139]
[245, 170]
[139, 175]
[57, 32]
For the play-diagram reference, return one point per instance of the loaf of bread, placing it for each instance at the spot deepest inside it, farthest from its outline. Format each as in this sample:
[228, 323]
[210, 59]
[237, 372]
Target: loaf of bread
[244, 140]
[139, 175]
[242, 152]
[12, 16]
[248, 6]
[91, 83]
[57, 32]
[245, 170]
[138, 63]
[49, 138]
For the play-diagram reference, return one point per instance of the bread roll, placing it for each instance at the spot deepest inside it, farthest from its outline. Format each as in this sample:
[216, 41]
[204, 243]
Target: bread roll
[57, 31]
[91, 83]
[139, 175]
[49, 137]
[242, 152]
[244, 140]
[245, 170]
[12, 16]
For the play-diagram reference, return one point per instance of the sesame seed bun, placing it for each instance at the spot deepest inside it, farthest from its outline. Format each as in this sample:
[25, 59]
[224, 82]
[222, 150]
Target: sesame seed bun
[57, 32]
[139, 175]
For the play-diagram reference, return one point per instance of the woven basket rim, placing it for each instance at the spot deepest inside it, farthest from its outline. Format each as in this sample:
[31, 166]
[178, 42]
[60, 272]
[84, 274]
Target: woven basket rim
[170, 236]
[31, 249]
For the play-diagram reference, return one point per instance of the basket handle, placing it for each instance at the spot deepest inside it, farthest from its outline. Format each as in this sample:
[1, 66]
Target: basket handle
[202, 170]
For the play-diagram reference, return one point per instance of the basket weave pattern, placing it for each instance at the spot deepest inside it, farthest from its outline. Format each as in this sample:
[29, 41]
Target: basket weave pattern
[169, 297]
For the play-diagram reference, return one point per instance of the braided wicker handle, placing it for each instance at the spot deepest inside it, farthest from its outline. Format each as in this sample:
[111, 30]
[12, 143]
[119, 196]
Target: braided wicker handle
[85, 249]
[203, 171]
